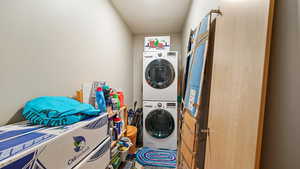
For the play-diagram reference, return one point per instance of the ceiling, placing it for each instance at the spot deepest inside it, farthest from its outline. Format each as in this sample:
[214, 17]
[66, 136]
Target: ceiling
[153, 16]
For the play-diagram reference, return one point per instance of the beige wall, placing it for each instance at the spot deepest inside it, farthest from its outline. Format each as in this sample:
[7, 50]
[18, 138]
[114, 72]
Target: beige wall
[50, 47]
[138, 48]
[282, 119]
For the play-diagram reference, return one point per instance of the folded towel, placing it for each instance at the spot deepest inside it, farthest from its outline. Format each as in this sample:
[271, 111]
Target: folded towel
[57, 111]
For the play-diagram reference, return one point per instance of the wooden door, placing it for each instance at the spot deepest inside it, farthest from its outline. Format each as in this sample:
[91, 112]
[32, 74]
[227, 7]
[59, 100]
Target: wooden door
[241, 56]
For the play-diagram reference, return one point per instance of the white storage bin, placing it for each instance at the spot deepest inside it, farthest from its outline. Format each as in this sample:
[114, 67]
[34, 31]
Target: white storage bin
[98, 159]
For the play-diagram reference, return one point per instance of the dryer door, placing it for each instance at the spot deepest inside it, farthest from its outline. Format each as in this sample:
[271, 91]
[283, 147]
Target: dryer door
[160, 123]
[160, 74]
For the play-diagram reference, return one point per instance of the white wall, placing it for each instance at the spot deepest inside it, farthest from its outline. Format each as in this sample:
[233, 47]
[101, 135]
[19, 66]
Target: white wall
[198, 9]
[138, 48]
[50, 47]
[281, 131]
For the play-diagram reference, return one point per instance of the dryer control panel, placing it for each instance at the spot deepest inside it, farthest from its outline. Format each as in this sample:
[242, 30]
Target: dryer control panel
[160, 105]
[161, 55]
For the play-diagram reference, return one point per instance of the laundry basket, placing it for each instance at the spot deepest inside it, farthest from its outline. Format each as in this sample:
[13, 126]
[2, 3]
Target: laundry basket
[131, 134]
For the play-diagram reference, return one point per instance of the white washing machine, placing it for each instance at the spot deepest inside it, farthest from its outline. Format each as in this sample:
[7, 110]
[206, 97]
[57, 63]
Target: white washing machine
[160, 125]
[160, 76]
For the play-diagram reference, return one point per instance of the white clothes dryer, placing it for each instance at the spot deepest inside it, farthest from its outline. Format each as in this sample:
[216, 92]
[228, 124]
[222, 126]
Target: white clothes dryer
[160, 75]
[160, 125]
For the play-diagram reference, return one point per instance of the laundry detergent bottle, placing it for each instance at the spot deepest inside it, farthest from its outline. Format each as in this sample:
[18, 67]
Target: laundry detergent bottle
[100, 99]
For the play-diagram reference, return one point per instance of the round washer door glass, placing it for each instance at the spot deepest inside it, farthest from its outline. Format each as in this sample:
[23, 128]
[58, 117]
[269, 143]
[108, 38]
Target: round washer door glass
[160, 74]
[159, 123]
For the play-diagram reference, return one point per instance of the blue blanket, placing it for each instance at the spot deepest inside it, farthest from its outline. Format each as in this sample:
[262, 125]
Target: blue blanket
[57, 111]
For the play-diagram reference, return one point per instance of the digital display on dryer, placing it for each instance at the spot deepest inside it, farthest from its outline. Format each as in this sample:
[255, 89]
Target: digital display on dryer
[171, 104]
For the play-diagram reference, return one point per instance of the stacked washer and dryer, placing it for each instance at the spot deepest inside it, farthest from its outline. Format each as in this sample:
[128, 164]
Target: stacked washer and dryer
[160, 99]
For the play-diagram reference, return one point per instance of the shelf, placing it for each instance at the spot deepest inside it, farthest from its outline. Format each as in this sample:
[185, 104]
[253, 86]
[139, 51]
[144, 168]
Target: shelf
[112, 114]
[123, 108]
[114, 143]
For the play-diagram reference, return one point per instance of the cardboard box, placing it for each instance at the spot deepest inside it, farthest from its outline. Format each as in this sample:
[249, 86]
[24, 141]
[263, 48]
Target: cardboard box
[89, 92]
[157, 43]
[34, 147]
[98, 159]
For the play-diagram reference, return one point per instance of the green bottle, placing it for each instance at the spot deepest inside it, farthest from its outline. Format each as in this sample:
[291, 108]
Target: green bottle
[117, 101]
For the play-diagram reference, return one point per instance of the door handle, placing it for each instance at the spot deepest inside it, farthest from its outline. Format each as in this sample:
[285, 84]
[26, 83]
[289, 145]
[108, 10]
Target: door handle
[206, 131]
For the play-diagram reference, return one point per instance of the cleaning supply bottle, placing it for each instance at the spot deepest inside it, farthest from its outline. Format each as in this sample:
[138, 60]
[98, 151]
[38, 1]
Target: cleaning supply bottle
[117, 101]
[121, 98]
[100, 100]
[106, 91]
[108, 97]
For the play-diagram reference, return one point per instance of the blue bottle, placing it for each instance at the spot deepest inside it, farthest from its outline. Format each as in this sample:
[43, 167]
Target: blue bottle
[100, 99]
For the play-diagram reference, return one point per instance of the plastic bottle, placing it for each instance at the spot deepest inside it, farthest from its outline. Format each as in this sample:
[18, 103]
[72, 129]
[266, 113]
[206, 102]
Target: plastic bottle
[108, 98]
[117, 101]
[121, 98]
[100, 100]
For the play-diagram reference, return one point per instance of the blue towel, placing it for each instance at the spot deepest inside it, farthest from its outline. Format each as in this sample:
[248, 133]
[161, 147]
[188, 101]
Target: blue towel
[57, 111]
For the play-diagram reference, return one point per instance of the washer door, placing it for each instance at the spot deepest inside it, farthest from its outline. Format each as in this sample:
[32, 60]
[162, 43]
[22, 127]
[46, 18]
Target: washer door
[159, 123]
[160, 74]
